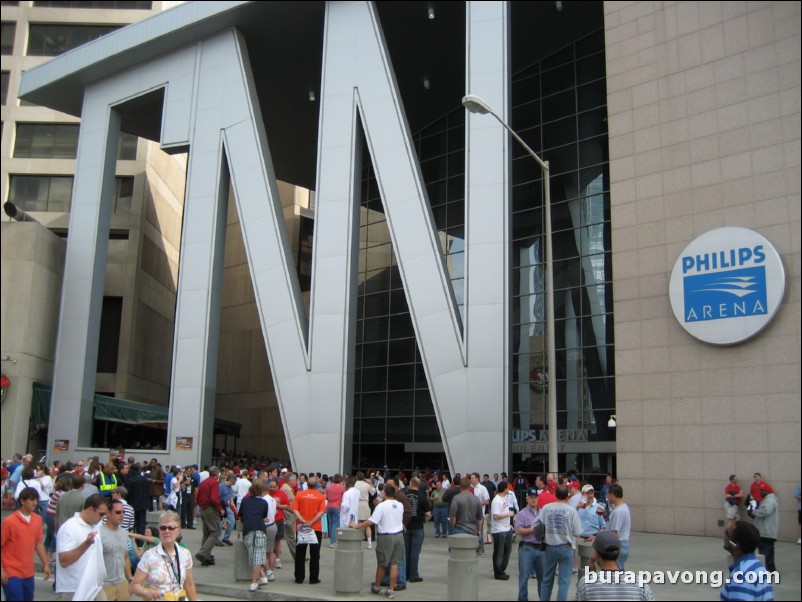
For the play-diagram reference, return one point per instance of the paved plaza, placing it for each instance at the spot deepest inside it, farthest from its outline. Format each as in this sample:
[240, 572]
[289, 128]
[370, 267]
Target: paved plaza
[650, 551]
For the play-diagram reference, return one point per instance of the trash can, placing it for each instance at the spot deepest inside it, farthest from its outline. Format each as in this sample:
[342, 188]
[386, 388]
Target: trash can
[585, 550]
[463, 567]
[348, 561]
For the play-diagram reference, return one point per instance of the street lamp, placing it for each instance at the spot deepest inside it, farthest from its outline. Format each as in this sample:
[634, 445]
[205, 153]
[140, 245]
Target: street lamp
[475, 104]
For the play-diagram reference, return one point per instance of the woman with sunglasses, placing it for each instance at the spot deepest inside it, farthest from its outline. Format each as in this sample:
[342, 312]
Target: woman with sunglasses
[165, 572]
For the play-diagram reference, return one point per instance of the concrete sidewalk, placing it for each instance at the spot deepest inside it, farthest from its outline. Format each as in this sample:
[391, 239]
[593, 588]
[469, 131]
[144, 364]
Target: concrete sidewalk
[649, 552]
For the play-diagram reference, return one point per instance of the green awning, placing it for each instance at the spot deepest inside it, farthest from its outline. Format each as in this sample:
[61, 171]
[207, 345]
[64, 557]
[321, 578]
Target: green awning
[130, 412]
[116, 410]
[40, 406]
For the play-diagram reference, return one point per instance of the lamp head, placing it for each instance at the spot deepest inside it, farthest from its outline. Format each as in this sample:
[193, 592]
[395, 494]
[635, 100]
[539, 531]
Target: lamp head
[611, 423]
[476, 105]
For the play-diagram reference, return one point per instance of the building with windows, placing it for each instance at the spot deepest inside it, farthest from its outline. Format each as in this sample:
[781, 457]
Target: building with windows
[397, 315]
[39, 154]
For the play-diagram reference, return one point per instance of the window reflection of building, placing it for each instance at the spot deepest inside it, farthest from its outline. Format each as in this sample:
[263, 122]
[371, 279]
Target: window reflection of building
[559, 109]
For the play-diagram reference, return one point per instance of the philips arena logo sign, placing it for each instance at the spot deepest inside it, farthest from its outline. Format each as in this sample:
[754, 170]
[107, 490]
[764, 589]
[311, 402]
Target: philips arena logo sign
[727, 285]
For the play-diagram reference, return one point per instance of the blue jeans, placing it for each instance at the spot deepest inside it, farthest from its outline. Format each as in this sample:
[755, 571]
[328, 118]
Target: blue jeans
[502, 546]
[623, 554]
[530, 562]
[413, 542]
[50, 538]
[441, 524]
[19, 588]
[333, 517]
[226, 535]
[562, 556]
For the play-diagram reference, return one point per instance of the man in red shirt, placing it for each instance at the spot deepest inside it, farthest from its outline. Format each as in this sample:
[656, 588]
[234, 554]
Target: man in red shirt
[757, 484]
[732, 499]
[208, 498]
[309, 506]
[21, 537]
[546, 492]
[282, 504]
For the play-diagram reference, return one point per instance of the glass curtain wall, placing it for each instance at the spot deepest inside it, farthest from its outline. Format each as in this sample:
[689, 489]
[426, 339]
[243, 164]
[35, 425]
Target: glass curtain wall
[559, 108]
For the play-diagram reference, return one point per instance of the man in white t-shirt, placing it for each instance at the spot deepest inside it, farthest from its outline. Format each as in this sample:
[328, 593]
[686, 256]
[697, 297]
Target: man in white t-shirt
[241, 487]
[349, 506]
[501, 531]
[80, 553]
[389, 520]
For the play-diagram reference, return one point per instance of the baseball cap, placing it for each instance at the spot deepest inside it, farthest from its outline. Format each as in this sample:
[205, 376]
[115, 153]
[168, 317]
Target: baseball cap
[533, 492]
[606, 542]
[573, 485]
[587, 488]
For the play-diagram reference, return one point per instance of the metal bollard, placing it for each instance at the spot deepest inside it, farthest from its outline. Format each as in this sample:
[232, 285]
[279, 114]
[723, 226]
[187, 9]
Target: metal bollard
[463, 567]
[242, 565]
[348, 561]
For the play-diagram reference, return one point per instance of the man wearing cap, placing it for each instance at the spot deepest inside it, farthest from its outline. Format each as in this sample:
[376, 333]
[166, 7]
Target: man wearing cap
[767, 521]
[752, 583]
[573, 494]
[591, 513]
[607, 547]
[530, 555]
[562, 528]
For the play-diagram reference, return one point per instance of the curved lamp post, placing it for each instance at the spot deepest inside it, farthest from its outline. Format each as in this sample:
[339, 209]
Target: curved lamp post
[475, 104]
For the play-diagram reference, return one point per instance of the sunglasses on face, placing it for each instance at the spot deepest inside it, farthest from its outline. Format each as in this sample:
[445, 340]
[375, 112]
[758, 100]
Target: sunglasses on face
[117, 512]
[167, 528]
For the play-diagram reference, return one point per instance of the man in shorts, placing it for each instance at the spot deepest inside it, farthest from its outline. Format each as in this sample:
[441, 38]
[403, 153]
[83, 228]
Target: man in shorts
[389, 520]
[732, 499]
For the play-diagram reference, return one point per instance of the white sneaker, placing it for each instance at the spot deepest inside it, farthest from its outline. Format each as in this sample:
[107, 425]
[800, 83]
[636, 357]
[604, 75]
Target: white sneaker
[278, 563]
[271, 576]
[262, 581]
[253, 587]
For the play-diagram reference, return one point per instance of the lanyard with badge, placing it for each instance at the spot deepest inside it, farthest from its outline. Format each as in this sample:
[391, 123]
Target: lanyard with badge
[178, 592]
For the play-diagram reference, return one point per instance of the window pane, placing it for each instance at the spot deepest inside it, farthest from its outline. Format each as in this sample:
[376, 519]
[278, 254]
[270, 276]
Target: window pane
[52, 40]
[8, 38]
[41, 193]
[46, 141]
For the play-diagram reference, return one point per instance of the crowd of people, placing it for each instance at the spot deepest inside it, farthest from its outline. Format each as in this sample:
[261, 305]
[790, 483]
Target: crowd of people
[87, 523]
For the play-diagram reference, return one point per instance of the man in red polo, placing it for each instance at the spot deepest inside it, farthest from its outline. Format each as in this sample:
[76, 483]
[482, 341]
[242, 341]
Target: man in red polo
[208, 498]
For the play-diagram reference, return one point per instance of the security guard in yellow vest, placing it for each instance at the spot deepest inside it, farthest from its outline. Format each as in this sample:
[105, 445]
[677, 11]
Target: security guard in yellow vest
[107, 480]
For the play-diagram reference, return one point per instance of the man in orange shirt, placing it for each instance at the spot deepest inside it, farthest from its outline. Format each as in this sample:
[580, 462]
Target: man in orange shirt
[309, 506]
[21, 537]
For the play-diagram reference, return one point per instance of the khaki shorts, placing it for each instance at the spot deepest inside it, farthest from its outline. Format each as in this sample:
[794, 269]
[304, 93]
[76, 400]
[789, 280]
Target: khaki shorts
[390, 549]
[118, 591]
[731, 510]
[363, 511]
